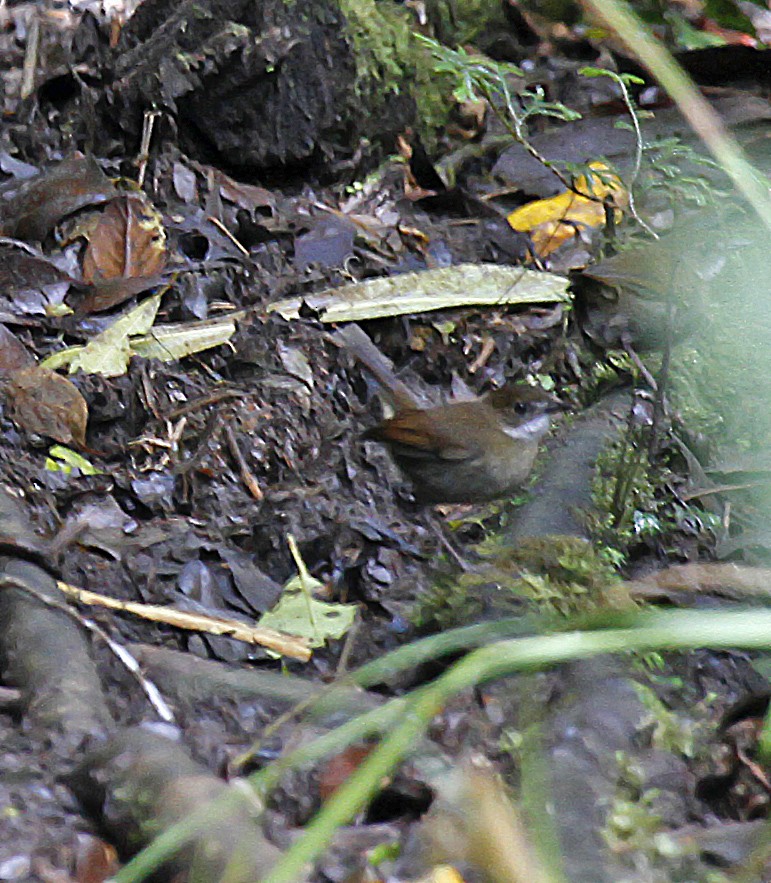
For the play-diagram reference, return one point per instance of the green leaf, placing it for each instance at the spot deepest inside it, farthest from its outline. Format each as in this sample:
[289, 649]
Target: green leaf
[299, 613]
[62, 459]
[627, 79]
[306, 617]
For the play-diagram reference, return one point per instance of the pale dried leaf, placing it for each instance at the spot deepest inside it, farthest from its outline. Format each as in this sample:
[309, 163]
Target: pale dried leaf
[445, 288]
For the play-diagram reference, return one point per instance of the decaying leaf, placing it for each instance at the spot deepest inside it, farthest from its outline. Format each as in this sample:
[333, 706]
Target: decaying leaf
[299, 613]
[109, 352]
[104, 294]
[247, 196]
[328, 243]
[14, 356]
[45, 403]
[125, 256]
[553, 221]
[295, 363]
[133, 334]
[339, 768]
[30, 281]
[96, 860]
[306, 617]
[34, 209]
[445, 288]
[170, 342]
[185, 183]
[128, 241]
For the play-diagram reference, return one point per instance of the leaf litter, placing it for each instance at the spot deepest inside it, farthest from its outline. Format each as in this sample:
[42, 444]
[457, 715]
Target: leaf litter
[173, 444]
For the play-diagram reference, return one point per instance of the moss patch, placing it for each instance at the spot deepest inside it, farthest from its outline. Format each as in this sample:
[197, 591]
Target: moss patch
[390, 62]
[555, 575]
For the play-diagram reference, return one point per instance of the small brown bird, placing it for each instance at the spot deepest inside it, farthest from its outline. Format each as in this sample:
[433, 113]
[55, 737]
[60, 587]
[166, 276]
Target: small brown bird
[463, 451]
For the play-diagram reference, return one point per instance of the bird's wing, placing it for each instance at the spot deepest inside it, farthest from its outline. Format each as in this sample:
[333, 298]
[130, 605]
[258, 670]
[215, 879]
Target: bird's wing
[409, 434]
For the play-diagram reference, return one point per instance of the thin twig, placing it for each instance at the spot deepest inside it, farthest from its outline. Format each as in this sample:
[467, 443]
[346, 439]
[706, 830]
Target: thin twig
[286, 645]
[305, 579]
[345, 656]
[32, 50]
[638, 154]
[488, 348]
[148, 124]
[247, 476]
[224, 230]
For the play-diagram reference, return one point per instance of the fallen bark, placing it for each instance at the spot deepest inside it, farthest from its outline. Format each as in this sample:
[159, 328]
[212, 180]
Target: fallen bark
[141, 783]
[45, 654]
[192, 680]
[135, 782]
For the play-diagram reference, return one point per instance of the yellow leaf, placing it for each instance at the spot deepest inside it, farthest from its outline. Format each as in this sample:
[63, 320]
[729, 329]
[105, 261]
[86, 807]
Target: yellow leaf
[553, 221]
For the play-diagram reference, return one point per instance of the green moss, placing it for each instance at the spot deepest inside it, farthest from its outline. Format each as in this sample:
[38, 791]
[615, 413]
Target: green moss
[459, 599]
[459, 22]
[671, 732]
[558, 575]
[635, 831]
[389, 59]
[566, 575]
[632, 823]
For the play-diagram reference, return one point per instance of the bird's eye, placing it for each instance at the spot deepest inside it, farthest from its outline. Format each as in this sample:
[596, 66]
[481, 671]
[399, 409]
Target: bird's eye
[520, 408]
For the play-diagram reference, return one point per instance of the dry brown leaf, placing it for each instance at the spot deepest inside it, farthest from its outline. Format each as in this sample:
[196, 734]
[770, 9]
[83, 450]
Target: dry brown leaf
[45, 403]
[14, 356]
[41, 202]
[185, 182]
[128, 241]
[338, 769]
[31, 281]
[105, 294]
[95, 860]
[246, 196]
